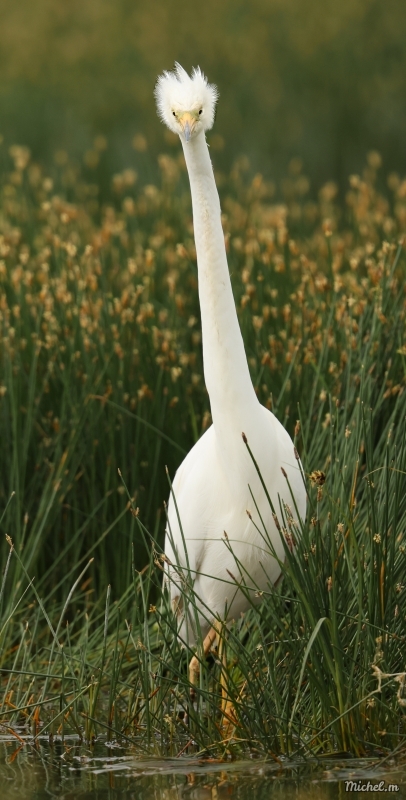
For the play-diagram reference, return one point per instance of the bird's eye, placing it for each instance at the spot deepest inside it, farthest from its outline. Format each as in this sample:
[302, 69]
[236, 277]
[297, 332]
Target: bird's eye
[173, 113]
[201, 111]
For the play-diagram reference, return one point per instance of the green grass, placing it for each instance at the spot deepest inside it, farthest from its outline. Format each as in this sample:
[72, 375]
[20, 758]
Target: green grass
[101, 371]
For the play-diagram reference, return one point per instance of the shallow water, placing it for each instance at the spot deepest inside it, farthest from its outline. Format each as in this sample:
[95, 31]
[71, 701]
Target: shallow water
[106, 771]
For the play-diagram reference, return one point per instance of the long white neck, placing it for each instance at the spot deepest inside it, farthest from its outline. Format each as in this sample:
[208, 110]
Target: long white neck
[226, 373]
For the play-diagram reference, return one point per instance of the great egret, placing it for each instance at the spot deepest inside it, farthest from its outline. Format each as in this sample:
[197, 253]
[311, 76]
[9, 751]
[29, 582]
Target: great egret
[209, 535]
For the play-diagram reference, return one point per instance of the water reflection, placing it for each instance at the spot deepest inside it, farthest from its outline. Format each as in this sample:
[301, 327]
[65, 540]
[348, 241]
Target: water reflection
[69, 771]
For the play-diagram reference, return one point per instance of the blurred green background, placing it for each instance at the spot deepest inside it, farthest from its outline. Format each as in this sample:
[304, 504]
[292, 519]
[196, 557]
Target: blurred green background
[321, 79]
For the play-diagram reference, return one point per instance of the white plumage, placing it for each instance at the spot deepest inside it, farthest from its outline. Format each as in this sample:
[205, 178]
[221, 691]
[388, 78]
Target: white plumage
[211, 486]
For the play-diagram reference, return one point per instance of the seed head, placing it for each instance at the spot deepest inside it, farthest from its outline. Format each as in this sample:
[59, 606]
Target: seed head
[317, 477]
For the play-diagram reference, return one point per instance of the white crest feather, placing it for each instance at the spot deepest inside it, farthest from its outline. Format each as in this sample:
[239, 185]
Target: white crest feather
[179, 92]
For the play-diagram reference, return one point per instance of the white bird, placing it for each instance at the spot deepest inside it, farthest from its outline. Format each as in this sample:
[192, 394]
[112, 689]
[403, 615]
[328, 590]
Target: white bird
[212, 485]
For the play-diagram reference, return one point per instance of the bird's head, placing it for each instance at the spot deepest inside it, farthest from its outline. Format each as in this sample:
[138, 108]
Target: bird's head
[186, 104]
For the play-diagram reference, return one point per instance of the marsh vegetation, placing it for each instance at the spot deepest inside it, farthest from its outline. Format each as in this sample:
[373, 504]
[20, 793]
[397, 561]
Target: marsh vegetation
[101, 373]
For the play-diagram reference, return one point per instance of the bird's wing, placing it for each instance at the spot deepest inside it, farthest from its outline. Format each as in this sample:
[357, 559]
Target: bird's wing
[188, 505]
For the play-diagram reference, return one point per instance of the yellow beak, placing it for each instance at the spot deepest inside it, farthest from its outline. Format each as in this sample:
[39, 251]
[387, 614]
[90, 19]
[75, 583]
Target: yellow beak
[188, 121]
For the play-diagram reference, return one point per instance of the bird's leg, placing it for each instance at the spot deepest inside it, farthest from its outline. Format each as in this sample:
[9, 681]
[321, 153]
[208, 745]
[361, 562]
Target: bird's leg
[223, 661]
[229, 720]
[194, 664]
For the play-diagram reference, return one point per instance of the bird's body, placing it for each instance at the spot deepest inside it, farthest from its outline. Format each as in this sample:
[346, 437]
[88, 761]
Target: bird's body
[220, 503]
[212, 486]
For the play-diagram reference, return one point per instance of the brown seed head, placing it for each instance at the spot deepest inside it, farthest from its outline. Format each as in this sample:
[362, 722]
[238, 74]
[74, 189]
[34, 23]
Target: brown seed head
[317, 477]
[276, 521]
